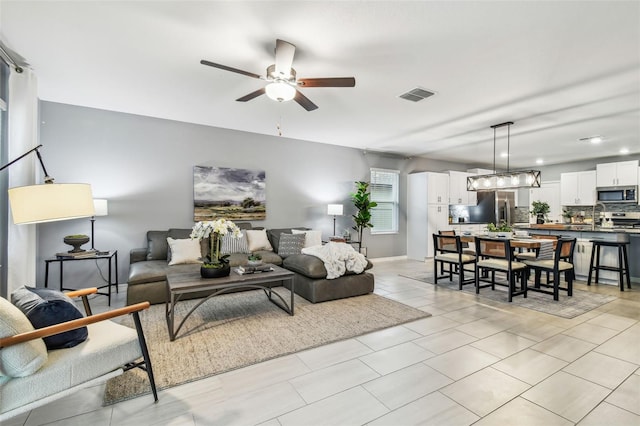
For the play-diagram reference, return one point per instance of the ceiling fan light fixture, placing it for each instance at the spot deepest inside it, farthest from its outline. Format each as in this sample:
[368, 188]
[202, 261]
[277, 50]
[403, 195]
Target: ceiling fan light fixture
[280, 91]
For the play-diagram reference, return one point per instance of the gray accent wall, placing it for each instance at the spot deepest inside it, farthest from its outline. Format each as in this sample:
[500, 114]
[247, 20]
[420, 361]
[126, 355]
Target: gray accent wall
[143, 166]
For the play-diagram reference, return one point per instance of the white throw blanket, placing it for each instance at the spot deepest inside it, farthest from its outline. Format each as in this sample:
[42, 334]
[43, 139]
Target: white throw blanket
[338, 258]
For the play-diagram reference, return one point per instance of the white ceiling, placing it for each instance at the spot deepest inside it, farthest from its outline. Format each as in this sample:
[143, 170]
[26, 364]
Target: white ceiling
[561, 70]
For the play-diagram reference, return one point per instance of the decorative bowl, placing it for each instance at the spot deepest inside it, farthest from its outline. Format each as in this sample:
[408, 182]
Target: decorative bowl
[76, 241]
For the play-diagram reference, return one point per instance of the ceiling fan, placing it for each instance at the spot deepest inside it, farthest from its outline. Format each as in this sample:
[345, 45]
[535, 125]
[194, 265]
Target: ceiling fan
[282, 79]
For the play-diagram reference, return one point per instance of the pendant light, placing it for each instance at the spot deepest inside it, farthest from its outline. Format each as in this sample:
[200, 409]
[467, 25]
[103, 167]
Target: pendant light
[504, 180]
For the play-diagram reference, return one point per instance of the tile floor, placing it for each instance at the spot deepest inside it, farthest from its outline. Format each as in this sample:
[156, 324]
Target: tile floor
[472, 362]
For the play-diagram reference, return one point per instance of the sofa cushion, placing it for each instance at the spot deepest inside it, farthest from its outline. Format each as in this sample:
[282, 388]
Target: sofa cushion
[269, 257]
[257, 240]
[184, 251]
[44, 307]
[304, 264]
[157, 245]
[290, 244]
[147, 272]
[22, 359]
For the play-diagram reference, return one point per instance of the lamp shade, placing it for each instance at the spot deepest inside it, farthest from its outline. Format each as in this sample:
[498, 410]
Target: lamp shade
[101, 207]
[50, 202]
[335, 209]
[280, 91]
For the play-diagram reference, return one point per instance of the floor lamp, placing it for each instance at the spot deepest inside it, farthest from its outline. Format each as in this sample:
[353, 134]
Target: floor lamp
[50, 201]
[102, 209]
[335, 210]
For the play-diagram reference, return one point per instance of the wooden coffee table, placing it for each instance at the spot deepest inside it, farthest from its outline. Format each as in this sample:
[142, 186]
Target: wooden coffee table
[181, 283]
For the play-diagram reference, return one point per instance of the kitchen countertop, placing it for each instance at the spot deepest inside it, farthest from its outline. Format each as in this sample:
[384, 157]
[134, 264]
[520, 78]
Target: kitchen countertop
[580, 227]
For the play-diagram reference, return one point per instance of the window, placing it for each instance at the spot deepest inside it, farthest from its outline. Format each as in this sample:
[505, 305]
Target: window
[384, 191]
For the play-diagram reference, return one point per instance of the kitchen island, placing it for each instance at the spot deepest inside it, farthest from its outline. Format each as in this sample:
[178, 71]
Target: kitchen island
[584, 233]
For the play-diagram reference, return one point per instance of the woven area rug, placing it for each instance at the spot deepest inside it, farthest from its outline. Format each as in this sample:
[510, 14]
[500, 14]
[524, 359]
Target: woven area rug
[566, 307]
[240, 329]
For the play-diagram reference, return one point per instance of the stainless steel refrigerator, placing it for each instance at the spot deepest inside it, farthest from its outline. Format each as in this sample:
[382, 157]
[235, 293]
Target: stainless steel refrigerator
[494, 207]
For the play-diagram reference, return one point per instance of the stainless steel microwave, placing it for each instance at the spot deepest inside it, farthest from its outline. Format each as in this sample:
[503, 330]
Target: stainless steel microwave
[618, 194]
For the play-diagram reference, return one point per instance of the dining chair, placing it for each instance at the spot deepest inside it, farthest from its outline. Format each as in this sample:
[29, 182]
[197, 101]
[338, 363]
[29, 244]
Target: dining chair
[496, 255]
[448, 250]
[561, 263]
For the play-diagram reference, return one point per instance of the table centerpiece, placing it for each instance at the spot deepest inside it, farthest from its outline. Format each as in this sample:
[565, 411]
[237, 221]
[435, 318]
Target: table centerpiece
[214, 265]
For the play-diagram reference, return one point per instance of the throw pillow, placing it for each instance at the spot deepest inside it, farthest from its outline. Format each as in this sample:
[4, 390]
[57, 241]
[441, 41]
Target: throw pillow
[290, 244]
[312, 238]
[44, 307]
[257, 240]
[234, 245]
[25, 358]
[184, 251]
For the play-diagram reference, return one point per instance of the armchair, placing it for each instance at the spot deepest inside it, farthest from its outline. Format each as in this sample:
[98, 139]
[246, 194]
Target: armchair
[110, 350]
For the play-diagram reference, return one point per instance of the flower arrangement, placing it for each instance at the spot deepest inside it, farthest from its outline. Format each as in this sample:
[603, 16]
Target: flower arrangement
[215, 230]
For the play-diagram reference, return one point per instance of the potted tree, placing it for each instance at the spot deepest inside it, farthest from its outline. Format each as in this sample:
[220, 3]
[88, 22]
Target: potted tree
[363, 204]
[540, 209]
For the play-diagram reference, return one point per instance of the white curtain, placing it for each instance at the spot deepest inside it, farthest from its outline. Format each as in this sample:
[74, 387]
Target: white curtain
[23, 135]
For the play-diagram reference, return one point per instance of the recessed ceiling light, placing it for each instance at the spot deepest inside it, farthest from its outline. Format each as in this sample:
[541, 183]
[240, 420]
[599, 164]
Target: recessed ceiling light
[592, 139]
[504, 154]
[539, 161]
[624, 151]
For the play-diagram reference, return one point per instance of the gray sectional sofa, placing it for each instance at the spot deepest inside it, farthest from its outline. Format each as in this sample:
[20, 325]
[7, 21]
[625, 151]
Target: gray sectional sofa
[149, 265]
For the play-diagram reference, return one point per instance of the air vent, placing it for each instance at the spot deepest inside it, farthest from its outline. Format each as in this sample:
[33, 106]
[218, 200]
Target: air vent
[417, 94]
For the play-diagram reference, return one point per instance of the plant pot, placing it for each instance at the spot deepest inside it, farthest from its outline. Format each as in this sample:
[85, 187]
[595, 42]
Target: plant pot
[210, 272]
[254, 262]
[540, 218]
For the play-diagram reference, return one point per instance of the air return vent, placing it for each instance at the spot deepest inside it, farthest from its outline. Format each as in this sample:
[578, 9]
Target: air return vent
[416, 94]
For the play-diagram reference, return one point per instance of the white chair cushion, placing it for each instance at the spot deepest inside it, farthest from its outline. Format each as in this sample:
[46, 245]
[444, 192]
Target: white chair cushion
[548, 264]
[501, 264]
[453, 258]
[109, 347]
[22, 359]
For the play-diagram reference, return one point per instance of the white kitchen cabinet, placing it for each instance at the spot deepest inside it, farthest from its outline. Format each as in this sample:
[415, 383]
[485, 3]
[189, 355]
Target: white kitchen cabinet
[458, 193]
[437, 188]
[582, 257]
[621, 173]
[549, 192]
[427, 211]
[578, 188]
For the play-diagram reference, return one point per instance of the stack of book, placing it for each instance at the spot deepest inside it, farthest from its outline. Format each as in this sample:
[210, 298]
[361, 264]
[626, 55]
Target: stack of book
[77, 255]
[242, 270]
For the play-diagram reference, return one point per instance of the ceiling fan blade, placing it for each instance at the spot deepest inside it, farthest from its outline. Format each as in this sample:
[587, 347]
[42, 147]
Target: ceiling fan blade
[327, 82]
[251, 95]
[226, 68]
[284, 58]
[304, 101]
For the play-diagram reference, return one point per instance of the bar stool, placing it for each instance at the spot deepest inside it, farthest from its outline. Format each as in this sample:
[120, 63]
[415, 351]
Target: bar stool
[623, 262]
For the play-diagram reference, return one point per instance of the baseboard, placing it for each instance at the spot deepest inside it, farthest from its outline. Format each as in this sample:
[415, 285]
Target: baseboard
[387, 259]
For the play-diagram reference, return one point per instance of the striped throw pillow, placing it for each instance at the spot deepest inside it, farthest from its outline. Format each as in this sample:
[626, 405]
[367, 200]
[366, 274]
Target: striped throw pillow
[234, 245]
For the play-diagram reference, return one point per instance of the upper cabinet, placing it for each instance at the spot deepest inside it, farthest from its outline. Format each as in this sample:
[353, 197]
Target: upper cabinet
[437, 188]
[458, 193]
[578, 188]
[622, 173]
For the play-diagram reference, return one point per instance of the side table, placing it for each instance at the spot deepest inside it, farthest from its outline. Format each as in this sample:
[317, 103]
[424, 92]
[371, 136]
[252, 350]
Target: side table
[112, 259]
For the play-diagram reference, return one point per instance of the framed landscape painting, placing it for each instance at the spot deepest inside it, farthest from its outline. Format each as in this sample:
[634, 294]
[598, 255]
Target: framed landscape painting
[222, 192]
